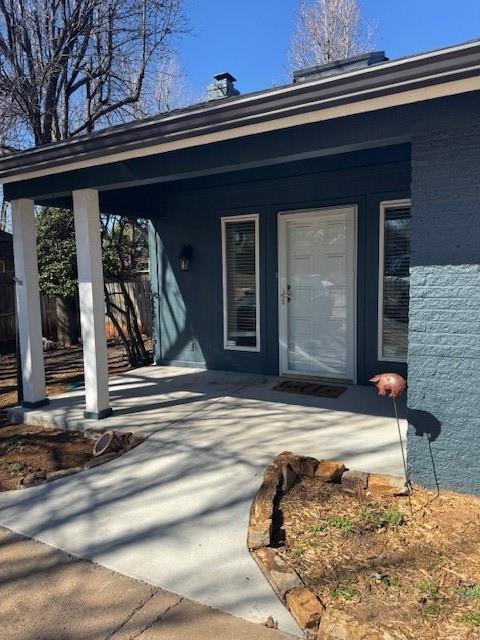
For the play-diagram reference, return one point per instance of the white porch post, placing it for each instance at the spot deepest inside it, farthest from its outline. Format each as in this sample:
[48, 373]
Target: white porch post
[92, 302]
[28, 303]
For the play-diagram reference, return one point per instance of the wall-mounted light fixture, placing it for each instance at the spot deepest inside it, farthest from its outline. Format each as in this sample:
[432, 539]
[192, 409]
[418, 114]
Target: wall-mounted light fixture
[185, 257]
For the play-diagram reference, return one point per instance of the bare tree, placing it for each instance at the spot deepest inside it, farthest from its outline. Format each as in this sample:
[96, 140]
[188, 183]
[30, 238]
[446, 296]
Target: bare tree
[171, 89]
[328, 30]
[70, 66]
[4, 217]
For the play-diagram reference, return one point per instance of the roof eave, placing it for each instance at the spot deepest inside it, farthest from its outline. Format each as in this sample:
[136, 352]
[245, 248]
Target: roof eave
[233, 115]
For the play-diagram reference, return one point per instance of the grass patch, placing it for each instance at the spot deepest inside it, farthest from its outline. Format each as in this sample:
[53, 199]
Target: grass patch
[392, 581]
[345, 591]
[429, 589]
[432, 610]
[469, 593]
[344, 524]
[382, 518]
[393, 517]
[470, 617]
[16, 467]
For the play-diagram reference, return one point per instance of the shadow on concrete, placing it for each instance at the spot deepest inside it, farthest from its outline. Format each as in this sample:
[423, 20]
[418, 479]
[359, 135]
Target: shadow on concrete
[174, 510]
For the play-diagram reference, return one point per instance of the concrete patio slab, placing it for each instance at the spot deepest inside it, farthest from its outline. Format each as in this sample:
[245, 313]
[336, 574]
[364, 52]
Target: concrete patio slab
[174, 511]
[48, 594]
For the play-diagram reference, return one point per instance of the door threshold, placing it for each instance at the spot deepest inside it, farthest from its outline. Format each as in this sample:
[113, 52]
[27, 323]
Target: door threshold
[307, 377]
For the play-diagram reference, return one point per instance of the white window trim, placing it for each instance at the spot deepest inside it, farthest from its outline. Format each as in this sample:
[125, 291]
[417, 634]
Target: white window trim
[384, 205]
[225, 220]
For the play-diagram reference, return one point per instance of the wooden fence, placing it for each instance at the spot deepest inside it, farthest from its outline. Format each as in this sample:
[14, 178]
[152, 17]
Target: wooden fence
[141, 294]
[139, 290]
[7, 310]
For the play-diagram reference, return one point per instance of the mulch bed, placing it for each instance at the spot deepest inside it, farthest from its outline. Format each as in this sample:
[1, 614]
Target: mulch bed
[33, 450]
[27, 450]
[413, 576]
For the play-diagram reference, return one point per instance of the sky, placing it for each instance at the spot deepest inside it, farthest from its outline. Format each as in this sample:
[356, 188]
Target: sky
[250, 38]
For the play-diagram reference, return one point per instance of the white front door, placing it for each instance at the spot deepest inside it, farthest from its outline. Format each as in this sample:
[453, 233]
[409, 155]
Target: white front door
[317, 293]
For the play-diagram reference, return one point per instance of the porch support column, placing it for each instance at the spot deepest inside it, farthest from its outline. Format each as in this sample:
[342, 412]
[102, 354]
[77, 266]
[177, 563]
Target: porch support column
[92, 302]
[28, 303]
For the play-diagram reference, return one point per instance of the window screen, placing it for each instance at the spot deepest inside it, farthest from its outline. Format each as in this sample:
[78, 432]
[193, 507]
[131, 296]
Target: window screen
[395, 286]
[240, 276]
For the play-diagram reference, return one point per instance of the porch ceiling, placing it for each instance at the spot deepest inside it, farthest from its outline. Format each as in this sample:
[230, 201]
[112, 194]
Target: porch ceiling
[146, 200]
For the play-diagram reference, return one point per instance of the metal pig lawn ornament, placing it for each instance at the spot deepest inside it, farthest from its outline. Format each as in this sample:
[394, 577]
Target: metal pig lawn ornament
[392, 382]
[394, 385]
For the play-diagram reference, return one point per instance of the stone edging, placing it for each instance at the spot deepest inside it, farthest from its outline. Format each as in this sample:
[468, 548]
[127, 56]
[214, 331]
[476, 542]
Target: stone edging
[263, 541]
[129, 441]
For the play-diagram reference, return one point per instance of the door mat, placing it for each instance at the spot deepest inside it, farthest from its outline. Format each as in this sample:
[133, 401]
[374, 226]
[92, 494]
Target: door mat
[309, 388]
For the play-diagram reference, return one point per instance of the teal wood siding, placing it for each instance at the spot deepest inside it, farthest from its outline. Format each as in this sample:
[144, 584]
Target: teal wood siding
[175, 343]
[189, 326]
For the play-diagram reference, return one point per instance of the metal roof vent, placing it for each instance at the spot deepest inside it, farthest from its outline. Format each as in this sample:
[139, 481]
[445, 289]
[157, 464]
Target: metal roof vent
[338, 67]
[222, 87]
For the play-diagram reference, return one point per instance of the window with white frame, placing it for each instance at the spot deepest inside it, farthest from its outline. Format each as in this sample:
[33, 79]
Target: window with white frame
[394, 280]
[241, 283]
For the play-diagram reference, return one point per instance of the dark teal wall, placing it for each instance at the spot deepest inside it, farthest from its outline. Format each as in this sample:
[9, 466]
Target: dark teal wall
[190, 305]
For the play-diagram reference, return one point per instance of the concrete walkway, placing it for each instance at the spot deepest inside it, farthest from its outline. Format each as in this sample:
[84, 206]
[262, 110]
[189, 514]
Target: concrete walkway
[174, 511]
[48, 595]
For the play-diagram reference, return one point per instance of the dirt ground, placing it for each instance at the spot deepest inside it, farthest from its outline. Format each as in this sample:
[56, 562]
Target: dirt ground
[26, 450]
[62, 367]
[414, 576]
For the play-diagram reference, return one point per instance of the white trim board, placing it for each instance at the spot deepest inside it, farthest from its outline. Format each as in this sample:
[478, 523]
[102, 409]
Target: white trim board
[224, 221]
[282, 219]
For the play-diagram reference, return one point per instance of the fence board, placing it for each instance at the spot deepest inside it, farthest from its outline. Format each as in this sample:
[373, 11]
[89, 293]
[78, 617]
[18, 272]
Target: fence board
[141, 294]
[139, 290]
[7, 311]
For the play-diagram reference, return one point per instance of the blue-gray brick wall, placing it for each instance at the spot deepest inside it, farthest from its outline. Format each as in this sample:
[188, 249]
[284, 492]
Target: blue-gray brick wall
[444, 327]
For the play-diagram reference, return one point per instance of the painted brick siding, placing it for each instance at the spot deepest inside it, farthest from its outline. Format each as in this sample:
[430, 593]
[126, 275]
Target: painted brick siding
[444, 328]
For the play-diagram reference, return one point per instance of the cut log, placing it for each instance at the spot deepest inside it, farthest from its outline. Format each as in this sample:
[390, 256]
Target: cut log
[108, 441]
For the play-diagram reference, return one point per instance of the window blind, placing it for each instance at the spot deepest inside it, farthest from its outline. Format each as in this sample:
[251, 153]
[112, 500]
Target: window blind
[241, 282]
[396, 282]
